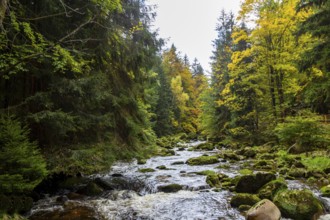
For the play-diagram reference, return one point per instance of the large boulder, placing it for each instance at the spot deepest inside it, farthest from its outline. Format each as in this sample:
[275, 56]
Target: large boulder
[269, 190]
[244, 199]
[252, 183]
[298, 204]
[264, 210]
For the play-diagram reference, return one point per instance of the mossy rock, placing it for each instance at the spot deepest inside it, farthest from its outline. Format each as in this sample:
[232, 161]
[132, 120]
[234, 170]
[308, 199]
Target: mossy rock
[297, 172]
[316, 174]
[231, 156]
[171, 188]
[202, 160]
[325, 191]
[244, 208]
[244, 199]
[267, 156]
[91, 189]
[213, 180]
[298, 204]
[247, 152]
[223, 166]
[245, 172]
[269, 190]
[177, 163]
[162, 167]
[206, 172]
[146, 170]
[205, 146]
[141, 161]
[264, 164]
[252, 183]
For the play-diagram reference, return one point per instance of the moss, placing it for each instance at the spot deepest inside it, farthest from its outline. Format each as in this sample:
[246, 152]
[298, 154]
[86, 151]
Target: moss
[170, 188]
[245, 172]
[223, 166]
[162, 167]
[244, 199]
[177, 163]
[141, 161]
[298, 204]
[269, 190]
[244, 208]
[325, 191]
[202, 160]
[146, 170]
[205, 146]
[252, 183]
[231, 156]
[213, 180]
[206, 172]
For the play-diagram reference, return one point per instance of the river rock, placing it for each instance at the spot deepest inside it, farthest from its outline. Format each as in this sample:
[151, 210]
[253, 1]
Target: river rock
[177, 163]
[269, 190]
[91, 189]
[213, 180]
[74, 196]
[264, 210]
[171, 188]
[247, 152]
[298, 204]
[203, 160]
[103, 183]
[70, 212]
[297, 172]
[205, 146]
[244, 199]
[252, 183]
[325, 191]
[146, 170]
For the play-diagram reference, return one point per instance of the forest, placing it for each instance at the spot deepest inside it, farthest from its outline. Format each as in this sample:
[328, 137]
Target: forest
[87, 83]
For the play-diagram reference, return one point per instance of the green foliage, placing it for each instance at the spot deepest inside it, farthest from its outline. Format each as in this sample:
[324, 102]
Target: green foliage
[319, 163]
[22, 166]
[305, 130]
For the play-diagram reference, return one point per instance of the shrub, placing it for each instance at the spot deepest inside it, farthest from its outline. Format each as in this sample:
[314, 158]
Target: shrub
[304, 130]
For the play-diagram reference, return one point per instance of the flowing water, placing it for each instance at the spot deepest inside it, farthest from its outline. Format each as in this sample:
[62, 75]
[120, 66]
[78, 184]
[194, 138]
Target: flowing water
[136, 194]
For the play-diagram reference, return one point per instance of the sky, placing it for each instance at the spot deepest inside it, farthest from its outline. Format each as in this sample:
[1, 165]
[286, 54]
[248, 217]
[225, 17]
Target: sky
[190, 25]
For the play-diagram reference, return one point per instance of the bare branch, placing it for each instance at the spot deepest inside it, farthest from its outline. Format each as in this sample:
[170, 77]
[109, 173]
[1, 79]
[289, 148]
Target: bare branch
[77, 29]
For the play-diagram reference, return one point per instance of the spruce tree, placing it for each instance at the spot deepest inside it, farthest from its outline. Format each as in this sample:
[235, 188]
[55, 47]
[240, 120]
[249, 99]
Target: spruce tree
[21, 165]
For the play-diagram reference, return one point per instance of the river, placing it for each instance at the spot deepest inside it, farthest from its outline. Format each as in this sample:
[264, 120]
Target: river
[137, 196]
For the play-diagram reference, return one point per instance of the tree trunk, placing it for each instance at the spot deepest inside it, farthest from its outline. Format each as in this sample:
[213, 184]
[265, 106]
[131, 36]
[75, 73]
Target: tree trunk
[3, 9]
[279, 85]
[272, 90]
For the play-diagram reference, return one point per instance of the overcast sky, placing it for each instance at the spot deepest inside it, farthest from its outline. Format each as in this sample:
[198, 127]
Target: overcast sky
[190, 25]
